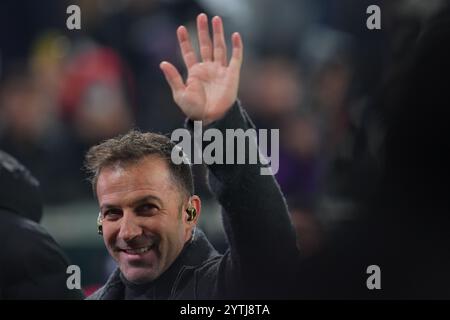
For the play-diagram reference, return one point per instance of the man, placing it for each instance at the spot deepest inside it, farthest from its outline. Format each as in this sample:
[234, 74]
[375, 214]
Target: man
[32, 265]
[149, 212]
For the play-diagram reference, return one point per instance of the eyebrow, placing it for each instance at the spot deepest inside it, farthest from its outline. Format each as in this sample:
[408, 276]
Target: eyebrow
[135, 203]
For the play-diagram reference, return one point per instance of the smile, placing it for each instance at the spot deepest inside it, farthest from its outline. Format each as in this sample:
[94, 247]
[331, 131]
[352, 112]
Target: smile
[138, 250]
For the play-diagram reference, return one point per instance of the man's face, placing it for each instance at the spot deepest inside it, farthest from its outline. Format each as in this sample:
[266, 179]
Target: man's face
[143, 228]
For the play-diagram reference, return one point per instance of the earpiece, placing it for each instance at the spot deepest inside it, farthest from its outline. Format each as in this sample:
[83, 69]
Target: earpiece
[192, 212]
[99, 224]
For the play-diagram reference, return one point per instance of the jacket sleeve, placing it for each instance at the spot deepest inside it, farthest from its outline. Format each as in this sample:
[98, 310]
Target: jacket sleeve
[262, 250]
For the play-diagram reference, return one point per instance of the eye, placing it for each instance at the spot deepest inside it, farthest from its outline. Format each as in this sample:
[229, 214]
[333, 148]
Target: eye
[112, 214]
[147, 209]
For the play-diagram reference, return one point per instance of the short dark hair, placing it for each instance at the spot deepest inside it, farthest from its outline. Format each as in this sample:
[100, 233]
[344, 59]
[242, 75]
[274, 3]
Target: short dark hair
[132, 147]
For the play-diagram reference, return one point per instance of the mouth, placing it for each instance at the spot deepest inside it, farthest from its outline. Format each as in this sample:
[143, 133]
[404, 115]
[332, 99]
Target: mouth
[138, 251]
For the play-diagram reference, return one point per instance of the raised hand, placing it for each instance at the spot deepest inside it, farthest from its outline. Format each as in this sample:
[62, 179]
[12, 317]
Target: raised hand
[212, 83]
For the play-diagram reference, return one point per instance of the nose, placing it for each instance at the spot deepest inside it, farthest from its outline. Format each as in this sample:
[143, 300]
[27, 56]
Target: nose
[129, 227]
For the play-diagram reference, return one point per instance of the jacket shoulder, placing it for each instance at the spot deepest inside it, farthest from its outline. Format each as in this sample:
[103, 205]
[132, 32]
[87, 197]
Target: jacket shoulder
[112, 290]
[97, 295]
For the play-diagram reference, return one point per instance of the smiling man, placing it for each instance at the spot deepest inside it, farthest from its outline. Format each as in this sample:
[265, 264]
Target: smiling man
[149, 212]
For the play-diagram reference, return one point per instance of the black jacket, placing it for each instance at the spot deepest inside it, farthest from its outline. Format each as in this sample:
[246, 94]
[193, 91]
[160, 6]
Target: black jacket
[32, 265]
[262, 252]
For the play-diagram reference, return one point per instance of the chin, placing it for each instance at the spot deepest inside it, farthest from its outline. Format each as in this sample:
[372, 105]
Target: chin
[139, 276]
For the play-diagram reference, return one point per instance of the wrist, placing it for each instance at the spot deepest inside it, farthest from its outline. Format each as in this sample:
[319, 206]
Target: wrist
[219, 115]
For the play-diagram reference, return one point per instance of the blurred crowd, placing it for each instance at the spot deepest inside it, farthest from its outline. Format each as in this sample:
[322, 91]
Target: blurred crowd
[311, 69]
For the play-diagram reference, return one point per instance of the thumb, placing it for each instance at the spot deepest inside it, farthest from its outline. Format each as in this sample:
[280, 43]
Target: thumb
[173, 77]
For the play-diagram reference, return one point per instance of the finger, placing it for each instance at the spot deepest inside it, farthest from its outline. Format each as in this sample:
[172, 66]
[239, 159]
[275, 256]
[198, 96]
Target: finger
[220, 47]
[187, 51]
[204, 39]
[238, 48]
[173, 77]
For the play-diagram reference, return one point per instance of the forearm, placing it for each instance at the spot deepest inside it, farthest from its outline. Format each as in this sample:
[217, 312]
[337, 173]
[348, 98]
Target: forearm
[256, 216]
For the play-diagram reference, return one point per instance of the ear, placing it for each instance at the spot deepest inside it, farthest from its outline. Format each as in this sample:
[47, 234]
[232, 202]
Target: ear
[190, 225]
[100, 223]
[197, 204]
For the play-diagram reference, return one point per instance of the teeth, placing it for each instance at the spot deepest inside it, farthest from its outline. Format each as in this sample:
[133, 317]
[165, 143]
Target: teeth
[138, 251]
[141, 250]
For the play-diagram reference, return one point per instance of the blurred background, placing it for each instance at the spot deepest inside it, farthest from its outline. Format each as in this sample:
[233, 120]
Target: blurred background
[311, 69]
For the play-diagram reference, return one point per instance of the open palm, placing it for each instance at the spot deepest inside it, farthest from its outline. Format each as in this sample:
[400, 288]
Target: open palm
[212, 84]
